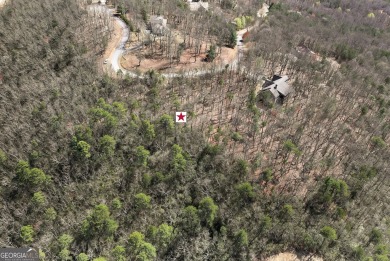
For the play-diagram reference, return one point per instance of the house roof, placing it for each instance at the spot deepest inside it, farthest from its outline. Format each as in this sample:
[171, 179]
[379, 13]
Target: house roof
[157, 19]
[278, 86]
[103, 2]
[273, 89]
[158, 24]
[194, 6]
[283, 88]
[277, 78]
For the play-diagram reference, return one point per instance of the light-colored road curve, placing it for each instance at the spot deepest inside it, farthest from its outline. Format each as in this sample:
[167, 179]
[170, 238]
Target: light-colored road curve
[119, 50]
[115, 58]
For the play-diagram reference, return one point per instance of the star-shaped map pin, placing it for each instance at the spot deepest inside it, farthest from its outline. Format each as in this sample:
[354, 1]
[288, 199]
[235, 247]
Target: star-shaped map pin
[181, 116]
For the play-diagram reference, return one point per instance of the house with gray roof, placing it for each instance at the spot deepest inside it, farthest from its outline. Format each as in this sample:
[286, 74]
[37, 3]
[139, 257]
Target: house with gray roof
[102, 2]
[196, 5]
[158, 25]
[278, 86]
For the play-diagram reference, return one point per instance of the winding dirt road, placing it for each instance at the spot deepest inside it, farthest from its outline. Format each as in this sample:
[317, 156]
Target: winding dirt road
[115, 58]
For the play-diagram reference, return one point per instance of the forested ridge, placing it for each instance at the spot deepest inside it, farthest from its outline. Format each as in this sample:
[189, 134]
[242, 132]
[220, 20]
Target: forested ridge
[93, 166]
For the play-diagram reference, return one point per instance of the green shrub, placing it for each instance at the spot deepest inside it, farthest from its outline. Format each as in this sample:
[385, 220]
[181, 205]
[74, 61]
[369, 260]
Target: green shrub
[207, 211]
[211, 53]
[276, 7]
[333, 190]
[3, 157]
[65, 240]
[239, 24]
[100, 259]
[245, 192]
[107, 145]
[179, 162]
[290, 146]
[161, 235]
[119, 253]
[166, 123]
[116, 203]
[376, 236]
[237, 137]
[99, 223]
[328, 233]
[82, 257]
[139, 248]
[142, 156]
[64, 255]
[147, 130]
[146, 180]
[27, 234]
[241, 168]
[50, 214]
[381, 258]
[142, 201]
[267, 175]
[38, 199]
[241, 240]
[107, 115]
[190, 221]
[378, 142]
[381, 249]
[345, 52]
[32, 176]
[231, 41]
[83, 149]
[341, 213]
[41, 255]
[287, 212]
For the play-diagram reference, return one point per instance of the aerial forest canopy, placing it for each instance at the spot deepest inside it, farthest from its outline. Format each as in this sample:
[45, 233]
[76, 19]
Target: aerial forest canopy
[94, 167]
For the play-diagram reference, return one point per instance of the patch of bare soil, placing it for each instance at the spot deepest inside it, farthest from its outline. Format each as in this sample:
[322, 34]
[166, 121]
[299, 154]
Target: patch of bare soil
[292, 257]
[188, 60]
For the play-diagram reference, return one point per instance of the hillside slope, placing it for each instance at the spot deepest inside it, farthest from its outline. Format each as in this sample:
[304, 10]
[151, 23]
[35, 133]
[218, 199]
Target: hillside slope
[94, 167]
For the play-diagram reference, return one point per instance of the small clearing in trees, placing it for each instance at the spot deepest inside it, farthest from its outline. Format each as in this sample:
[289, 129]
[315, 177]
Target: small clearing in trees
[292, 257]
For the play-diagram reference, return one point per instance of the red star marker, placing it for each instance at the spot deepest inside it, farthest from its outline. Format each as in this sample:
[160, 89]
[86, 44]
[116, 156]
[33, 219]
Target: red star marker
[181, 116]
